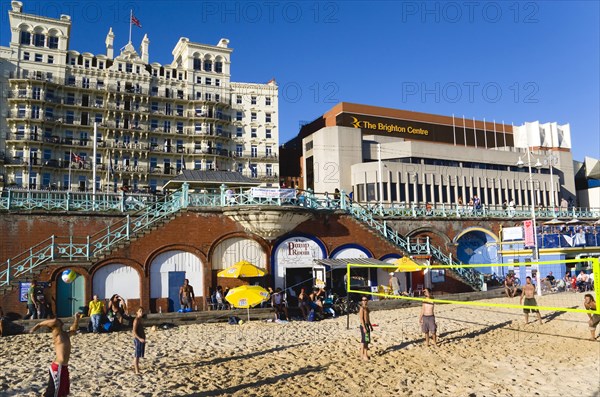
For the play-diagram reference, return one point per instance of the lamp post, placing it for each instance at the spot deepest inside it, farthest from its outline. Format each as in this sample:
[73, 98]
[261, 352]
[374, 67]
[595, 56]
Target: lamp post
[538, 165]
[550, 161]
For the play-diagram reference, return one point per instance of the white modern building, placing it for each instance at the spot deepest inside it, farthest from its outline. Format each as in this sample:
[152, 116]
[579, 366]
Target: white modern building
[152, 120]
[400, 157]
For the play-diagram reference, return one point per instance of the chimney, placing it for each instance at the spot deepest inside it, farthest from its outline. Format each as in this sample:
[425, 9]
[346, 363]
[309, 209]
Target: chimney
[110, 39]
[17, 6]
[144, 48]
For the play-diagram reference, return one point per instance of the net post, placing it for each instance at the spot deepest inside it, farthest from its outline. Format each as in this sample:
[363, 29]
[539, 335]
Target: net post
[595, 272]
[347, 296]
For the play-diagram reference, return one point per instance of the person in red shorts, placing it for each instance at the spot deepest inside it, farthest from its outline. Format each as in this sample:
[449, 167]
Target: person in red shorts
[58, 383]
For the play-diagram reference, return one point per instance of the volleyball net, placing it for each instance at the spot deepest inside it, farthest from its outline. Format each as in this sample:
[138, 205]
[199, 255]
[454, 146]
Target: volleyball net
[562, 283]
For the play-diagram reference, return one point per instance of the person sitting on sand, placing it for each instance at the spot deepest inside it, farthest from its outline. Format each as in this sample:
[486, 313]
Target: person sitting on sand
[528, 294]
[548, 281]
[116, 309]
[58, 383]
[427, 318]
[365, 328]
[95, 312]
[315, 303]
[582, 281]
[590, 304]
[219, 298]
[509, 286]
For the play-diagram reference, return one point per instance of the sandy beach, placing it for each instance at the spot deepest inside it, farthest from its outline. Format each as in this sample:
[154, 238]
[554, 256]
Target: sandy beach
[482, 352]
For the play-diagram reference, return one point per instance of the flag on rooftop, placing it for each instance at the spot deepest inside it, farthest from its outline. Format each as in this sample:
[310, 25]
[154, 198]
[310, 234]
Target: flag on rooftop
[135, 21]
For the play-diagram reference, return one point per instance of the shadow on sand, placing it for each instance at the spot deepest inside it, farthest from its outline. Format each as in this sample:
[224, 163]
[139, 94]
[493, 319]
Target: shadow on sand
[265, 381]
[220, 360]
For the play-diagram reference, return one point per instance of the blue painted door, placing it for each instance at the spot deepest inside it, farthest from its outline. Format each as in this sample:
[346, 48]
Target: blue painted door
[70, 298]
[175, 282]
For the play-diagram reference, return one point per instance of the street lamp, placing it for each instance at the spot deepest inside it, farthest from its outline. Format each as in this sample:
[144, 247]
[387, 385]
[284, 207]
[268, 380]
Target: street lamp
[550, 161]
[537, 165]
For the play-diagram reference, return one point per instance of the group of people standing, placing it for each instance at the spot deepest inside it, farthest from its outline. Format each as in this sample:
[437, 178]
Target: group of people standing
[39, 305]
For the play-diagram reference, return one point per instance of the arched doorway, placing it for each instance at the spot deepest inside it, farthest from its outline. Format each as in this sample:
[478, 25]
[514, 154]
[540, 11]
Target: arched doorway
[477, 246]
[292, 261]
[116, 278]
[70, 298]
[167, 273]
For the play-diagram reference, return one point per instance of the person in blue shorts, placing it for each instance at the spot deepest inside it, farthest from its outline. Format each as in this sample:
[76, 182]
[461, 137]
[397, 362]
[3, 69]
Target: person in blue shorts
[139, 339]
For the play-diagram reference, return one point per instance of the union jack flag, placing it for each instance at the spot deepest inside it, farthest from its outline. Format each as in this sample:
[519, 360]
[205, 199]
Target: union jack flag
[135, 21]
[76, 158]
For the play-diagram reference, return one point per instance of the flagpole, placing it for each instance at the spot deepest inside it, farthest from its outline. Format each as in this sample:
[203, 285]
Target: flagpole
[130, 19]
[70, 162]
[94, 166]
[107, 176]
[453, 129]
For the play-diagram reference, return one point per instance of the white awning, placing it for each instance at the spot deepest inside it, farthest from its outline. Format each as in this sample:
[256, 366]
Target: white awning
[342, 263]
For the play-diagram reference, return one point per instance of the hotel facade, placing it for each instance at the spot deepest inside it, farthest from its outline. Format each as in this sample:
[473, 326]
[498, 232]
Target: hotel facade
[152, 120]
[401, 157]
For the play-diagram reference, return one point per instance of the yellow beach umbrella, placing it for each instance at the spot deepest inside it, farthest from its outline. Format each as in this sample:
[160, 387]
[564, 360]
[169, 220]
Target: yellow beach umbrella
[241, 269]
[406, 264]
[247, 296]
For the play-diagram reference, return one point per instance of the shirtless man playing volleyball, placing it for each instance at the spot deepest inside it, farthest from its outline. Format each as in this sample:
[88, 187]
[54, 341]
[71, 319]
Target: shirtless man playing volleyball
[58, 383]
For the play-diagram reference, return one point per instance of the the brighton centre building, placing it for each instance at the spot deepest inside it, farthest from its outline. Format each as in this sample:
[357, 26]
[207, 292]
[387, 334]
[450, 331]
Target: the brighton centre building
[400, 157]
[152, 120]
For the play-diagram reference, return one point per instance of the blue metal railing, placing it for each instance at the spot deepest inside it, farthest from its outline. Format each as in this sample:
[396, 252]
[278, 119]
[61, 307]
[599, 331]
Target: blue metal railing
[16, 200]
[19, 200]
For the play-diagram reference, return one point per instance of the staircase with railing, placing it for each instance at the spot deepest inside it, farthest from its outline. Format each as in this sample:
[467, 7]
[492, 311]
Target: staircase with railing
[367, 216]
[93, 247]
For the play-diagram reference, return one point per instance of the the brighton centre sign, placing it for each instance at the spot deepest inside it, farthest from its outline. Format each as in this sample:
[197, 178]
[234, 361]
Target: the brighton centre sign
[415, 130]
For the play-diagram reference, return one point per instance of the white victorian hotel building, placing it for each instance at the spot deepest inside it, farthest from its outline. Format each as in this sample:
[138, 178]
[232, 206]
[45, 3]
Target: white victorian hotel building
[152, 120]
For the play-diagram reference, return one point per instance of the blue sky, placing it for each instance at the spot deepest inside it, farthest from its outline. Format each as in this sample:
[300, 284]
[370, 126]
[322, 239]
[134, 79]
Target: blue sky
[511, 61]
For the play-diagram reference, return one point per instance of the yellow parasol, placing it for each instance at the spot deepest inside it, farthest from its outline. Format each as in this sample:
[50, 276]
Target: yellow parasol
[247, 296]
[406, 264]
[241, 269]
